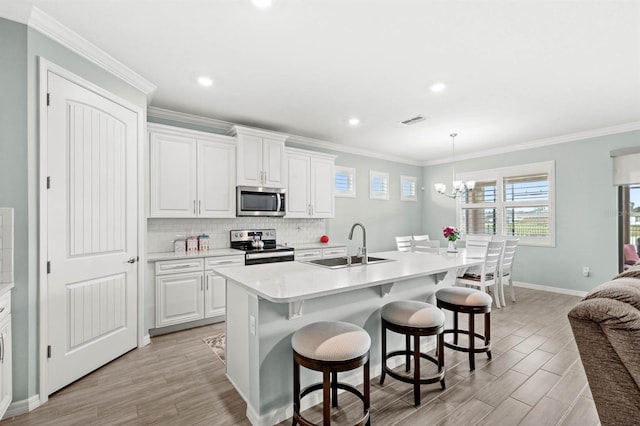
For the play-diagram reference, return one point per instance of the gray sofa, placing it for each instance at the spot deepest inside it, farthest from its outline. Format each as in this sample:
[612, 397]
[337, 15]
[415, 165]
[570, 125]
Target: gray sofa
[606, 326]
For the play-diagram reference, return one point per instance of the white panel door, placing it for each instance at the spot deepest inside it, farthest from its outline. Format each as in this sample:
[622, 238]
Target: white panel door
[173, 176]
[214, 295]
[216, 179]
[322, 188]
[249, 160]
[297, 201]
[273, 162]
[92, 231]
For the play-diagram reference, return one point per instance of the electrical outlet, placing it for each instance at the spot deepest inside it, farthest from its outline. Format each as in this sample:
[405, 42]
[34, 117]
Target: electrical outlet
[585, 271]
[252, 324]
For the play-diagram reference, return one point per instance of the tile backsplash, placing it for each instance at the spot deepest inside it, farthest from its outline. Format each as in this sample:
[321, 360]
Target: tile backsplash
[6, 245]
[162, 232]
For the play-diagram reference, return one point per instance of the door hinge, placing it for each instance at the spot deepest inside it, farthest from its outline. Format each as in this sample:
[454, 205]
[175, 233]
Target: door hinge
[48, 182]
[48, 99]
[49, 351]
[48, 266]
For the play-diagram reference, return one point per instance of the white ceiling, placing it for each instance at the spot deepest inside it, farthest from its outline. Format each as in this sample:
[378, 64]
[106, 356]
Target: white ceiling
[516, 71]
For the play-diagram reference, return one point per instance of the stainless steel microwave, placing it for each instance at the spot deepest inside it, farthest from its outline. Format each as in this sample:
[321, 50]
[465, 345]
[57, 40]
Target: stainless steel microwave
[258, 201]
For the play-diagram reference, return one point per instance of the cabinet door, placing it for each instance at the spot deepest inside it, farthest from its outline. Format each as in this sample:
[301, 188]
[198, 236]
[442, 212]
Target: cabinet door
[216, 179]
[172, 176]
[297, 198]
[215, 295]
[6, 385]
[321, 188]
[249, 170]
[273, 162]
[179, 298]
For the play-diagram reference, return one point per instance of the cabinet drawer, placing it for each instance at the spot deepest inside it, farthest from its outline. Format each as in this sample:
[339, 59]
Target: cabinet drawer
[216, 262]
[178, 266]
[334, 252]
[5, 306]
[308, 254]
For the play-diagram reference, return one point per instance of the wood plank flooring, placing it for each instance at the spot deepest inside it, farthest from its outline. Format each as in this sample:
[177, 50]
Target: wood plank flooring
[534, 378]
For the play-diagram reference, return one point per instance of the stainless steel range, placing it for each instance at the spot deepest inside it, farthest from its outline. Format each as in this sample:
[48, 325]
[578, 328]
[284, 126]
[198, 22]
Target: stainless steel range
[260, 246]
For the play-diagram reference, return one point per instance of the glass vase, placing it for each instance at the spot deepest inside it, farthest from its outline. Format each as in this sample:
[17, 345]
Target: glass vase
[452, 247]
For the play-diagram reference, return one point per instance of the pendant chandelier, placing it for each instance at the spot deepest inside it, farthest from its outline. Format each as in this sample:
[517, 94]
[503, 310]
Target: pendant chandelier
[458, 187]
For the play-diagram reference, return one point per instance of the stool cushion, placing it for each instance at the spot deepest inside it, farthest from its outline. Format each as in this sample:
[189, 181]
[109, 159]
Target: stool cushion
[411, 313]
[331, 341]
[464, 296]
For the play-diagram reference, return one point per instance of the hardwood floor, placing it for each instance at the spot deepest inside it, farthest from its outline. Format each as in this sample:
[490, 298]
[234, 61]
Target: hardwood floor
[534, 378]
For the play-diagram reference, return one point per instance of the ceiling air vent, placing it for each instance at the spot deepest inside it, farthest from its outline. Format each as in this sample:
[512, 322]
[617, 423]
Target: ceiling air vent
[415, 120]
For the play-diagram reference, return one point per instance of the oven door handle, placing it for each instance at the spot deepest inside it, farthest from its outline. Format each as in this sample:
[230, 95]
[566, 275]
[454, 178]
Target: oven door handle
[250, 256]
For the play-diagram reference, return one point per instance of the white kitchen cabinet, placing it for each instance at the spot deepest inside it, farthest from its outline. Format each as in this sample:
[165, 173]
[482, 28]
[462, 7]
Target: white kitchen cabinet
[305, 254]
[260, 159]
[192, 174]
[190, 290]
[6, 385]
[309, 177]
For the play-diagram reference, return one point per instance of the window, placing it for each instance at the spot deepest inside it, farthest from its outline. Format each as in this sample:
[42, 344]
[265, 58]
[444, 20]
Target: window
[511, 202]
[408, 188]
[345, 182]
[378, 185]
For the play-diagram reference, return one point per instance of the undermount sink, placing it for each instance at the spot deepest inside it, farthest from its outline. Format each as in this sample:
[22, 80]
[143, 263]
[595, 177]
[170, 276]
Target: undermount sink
[341, 262]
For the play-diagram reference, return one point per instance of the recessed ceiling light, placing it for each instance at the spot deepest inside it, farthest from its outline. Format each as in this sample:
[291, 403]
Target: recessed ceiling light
[262, 4]
[354, 121]
[438, 87]
[205, 81]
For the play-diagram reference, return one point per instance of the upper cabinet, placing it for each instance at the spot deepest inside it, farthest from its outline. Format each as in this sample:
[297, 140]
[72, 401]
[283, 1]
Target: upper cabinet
[309, 184]
[260, 157]
[192, 174]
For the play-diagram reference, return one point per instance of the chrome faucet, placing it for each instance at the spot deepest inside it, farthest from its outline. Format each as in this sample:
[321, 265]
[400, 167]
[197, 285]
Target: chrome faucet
[363, 250]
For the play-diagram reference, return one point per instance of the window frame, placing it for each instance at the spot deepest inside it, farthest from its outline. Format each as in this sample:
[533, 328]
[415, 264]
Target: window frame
[351, 171]
[498, 175]
[412, 180]
[375, 195]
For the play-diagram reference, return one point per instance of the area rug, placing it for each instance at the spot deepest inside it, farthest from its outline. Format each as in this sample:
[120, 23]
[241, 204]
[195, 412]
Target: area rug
[217, 344]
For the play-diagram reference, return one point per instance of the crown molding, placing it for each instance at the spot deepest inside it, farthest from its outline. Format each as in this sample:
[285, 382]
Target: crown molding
[181, 117]
[45, 24]
[571, 137]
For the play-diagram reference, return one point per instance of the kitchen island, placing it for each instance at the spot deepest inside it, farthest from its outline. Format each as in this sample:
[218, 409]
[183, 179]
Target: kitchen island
[267, 303]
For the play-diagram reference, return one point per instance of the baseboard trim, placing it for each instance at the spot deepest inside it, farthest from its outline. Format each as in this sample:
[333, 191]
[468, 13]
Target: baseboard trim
[23, 406]
[550, 289]
[146, 339]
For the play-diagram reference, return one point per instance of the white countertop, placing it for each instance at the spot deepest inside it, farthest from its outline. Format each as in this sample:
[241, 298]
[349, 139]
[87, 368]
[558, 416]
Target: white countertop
[169, 255]
[311, 246]
[294, 281]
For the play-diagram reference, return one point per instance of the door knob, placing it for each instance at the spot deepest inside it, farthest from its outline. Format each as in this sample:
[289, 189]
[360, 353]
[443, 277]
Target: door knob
[133, 259]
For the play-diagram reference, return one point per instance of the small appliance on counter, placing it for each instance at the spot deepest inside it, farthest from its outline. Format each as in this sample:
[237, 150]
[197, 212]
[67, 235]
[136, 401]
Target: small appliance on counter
[260, 246]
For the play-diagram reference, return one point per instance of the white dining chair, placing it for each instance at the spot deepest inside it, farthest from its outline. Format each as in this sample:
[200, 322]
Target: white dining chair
[489, 274]
[507, 267]
[424, 246]
[420, 237]
[403, 243]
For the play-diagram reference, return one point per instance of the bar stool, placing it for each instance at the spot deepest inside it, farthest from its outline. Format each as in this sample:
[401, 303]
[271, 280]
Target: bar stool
[330, 347]
[467, 301]
[413, 318]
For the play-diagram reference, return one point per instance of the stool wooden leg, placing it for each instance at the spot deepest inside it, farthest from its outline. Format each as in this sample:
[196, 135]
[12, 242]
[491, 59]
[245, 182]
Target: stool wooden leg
[487, 331]
[365, 390]
[407, 345]
[326, 397]
[455, 328]
[383, 344]
[334, 388]
[472, 342]
[296, 390]
[440, 347]
[416, 369]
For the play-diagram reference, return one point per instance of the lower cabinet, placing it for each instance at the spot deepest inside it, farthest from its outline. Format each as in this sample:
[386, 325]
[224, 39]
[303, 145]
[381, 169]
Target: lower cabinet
[190, 290]
[320, 253]
[6, 385]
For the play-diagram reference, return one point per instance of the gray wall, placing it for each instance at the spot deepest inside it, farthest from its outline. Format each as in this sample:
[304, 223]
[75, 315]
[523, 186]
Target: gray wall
[586, 210]
[19, 50]
[13, 184]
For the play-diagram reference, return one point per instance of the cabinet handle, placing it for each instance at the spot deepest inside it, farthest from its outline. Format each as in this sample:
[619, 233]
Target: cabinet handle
[201, 286]
[2, 348]
[2, 310]
[222, 262]
[181, 266]
[199, 206]
[194, 207]
[207, 285]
